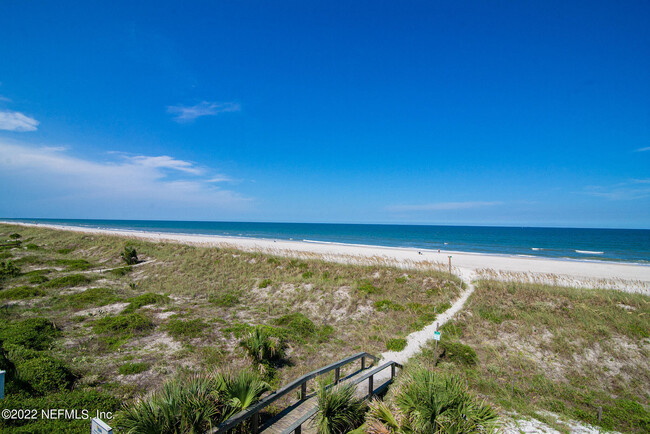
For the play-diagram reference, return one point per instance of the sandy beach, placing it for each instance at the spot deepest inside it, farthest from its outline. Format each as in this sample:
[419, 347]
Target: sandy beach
[592, 274]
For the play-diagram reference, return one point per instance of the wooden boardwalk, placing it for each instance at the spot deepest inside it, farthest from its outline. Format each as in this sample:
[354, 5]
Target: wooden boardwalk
[297, 415]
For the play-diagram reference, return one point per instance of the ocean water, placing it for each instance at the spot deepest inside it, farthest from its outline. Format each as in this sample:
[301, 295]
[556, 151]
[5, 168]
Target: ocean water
[623, 245]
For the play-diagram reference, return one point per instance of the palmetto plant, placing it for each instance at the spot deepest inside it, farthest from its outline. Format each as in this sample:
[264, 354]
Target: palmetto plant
[263, 347]
[338, 409]
[129, 255]
[428, 403]
[192, 404]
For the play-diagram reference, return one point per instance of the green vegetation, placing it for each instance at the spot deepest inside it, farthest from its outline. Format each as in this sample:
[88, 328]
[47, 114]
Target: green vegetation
[264, 283]
[92, 297]
[8, 269]
[123, 324]
[224, 300]
[129, 255]
[533, 348]
[264, 347]
[338, 409]
[45, 374]
[21, 293]
[192, 404]
[208, 294]
[367, 287]
[396, 344]
[180, 329]
[145, 299]
[133, 368]
[32, 333]
[68, 281]
[385, 305]
[424, 402]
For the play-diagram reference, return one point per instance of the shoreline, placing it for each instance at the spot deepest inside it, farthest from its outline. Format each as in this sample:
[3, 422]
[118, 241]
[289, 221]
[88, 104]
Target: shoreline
[629, 277]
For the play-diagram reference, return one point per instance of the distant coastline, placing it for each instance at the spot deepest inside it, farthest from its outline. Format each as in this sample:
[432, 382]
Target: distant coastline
[628, 277]
[575, 244]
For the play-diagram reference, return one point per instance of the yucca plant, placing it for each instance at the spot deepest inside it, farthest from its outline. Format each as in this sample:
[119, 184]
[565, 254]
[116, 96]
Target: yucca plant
[339, 411]
[241, 390]
[428, 403]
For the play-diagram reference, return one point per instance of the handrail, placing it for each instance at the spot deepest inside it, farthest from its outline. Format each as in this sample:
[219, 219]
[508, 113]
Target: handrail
[296, 427]
[256, 408]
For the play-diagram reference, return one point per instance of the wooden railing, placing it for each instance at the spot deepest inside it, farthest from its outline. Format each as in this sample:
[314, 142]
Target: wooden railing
[253, 412]
[296, 427]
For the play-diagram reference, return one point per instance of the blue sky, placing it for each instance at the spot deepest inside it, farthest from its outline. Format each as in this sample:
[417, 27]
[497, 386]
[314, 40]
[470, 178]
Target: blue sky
[511, 113]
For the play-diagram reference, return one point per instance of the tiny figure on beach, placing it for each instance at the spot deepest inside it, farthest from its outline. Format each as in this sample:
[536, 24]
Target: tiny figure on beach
[438, 250]
[419, 253]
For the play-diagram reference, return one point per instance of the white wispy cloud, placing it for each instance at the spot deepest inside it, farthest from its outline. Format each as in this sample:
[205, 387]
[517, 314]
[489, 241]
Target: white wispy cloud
[16, 121]
[220, 178]
[647, 148]
[4, 99]
[139, 180]
[189, 113]
[442, 206]
[629, 190]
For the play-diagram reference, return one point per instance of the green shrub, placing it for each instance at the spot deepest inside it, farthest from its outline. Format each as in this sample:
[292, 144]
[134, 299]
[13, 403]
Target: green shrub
[32, 333]
[8, 270]
[133, 368]
[68, 281]
[65, 251]
[185, 329]
[21, 293]
[91, 400]
[123, 324]
[307, 275]
[32, 246]
[45, 374]
[15, 236]
[38, 279]
[457, 353]
[73, 264]
[92, 297]
[264, 283]
[401, 279]
[494, 314]
[298, 323]
[225, 300]
[129, 255]
[145, 299]
[121, 271]
[384, 305]
[396, 344]
[367, 287]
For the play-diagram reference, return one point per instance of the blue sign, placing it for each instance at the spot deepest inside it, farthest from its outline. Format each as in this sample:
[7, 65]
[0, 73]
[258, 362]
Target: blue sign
[99, 427]
[2, 384]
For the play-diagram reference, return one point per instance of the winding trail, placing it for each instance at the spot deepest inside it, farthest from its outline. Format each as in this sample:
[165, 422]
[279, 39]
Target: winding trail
[417, 339]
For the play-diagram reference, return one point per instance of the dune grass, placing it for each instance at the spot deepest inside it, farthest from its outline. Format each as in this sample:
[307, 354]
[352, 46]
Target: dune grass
[532, 348]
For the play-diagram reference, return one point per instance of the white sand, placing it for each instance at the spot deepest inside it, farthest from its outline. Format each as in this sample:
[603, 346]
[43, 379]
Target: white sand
[603, 274]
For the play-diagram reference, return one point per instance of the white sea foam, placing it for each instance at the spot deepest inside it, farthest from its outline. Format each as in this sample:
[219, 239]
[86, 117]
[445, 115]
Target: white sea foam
[588, 252]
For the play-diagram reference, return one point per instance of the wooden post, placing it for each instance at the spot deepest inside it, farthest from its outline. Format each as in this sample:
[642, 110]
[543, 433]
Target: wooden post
[371, 386]
[600, 414]
[298, 429]
[449, 264]
[337, 375]
[255, 423]
[392, 371]
[363, 362]
[303, 391]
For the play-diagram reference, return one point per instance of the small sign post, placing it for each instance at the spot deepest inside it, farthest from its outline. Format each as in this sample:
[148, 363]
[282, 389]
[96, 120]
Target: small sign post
[449, 264]
[98, 426]
[2, 384]
[436, 336]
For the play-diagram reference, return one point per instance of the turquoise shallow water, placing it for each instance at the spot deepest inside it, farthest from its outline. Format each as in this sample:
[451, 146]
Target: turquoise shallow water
[626, 245]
